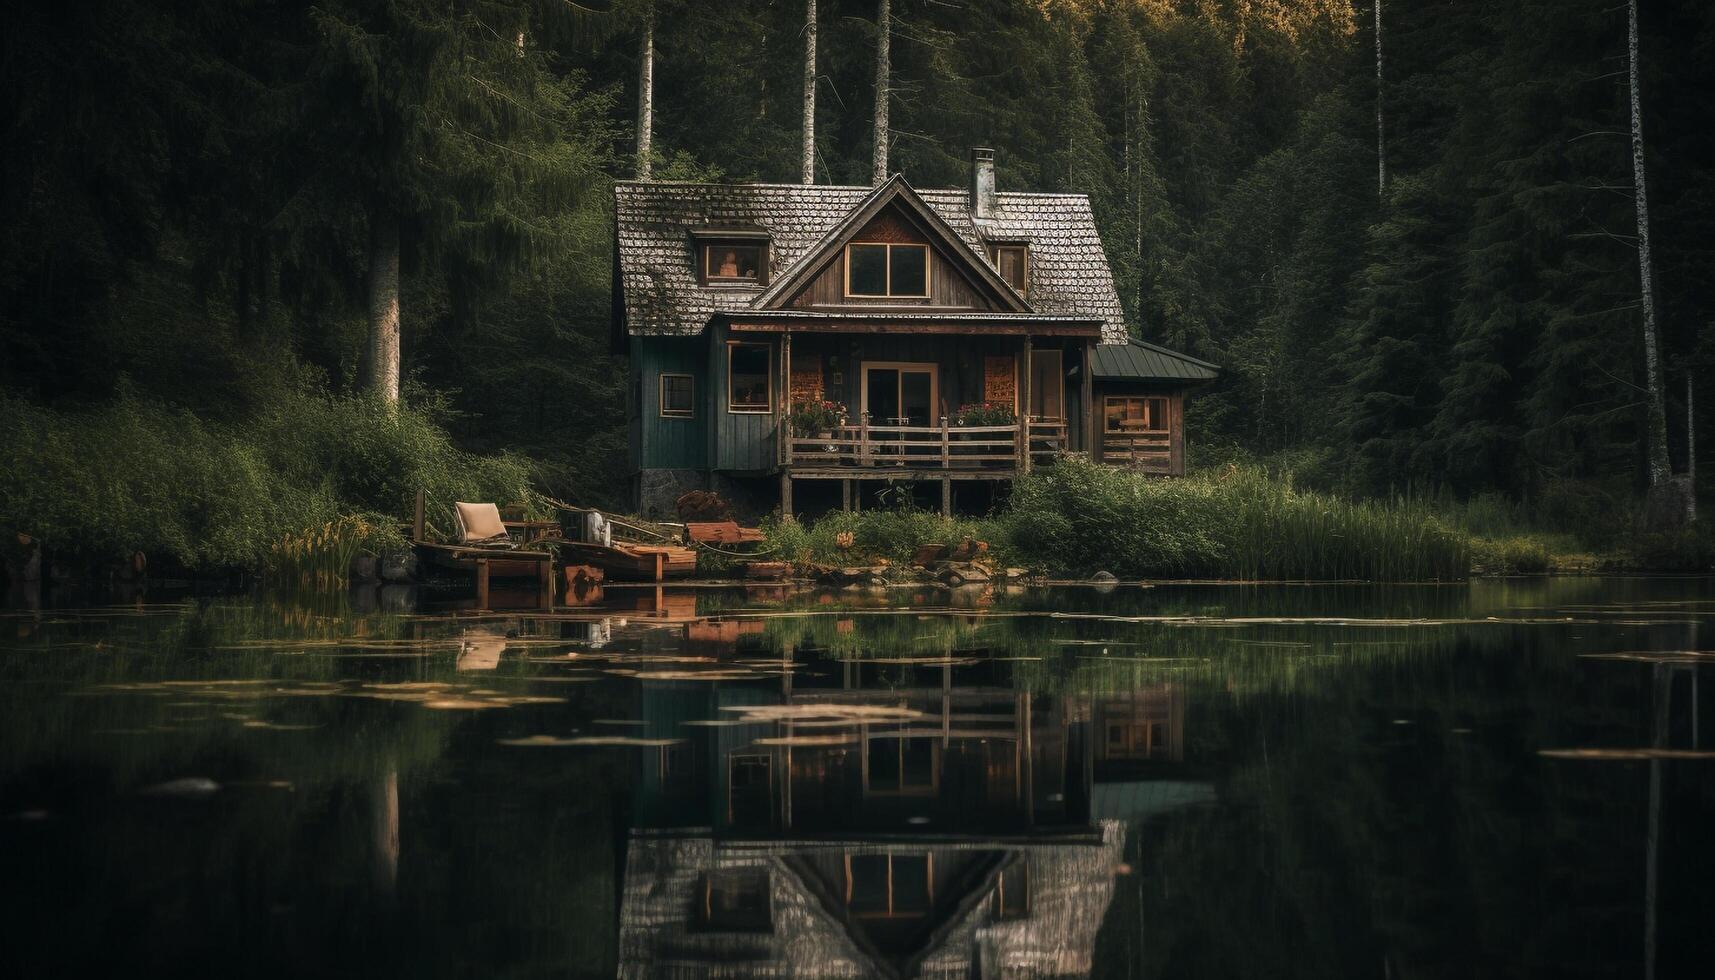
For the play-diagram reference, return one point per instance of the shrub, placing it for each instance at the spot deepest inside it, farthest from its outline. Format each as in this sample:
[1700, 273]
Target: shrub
[891, 534]
[137, 475]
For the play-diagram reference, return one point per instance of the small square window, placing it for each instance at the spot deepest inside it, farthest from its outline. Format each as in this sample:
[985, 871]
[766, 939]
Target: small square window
[678, 396]
[732, 262]
[736, 901]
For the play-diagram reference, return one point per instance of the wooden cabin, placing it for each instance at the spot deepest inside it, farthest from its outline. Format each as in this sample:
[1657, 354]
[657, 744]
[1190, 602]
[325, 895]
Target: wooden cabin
[780, 334]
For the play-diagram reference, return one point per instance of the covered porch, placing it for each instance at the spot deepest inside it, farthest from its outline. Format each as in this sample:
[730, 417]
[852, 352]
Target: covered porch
[926, 399]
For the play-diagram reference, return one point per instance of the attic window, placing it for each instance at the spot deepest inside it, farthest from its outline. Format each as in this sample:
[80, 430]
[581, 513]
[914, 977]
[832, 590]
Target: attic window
[892, 271]
[1012, 261]
[732, 262]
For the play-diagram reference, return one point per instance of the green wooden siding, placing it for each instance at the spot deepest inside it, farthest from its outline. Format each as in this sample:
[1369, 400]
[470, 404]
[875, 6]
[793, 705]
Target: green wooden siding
[671, 443]
[742, 441]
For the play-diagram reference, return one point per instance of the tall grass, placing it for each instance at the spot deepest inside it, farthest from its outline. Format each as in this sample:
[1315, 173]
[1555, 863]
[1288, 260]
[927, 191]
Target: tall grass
[1076, 518]
[319, 559]
[221, 493]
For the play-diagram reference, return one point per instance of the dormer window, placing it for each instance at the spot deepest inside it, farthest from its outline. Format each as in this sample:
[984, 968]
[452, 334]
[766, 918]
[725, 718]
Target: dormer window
[886, 271]
[731, 257]
[732, 263]
[1012, 261]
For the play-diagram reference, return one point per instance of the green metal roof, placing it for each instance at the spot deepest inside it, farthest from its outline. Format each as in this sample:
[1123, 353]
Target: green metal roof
[1140, 360]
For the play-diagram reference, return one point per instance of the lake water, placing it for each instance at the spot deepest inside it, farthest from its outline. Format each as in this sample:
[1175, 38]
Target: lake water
[1507, 778]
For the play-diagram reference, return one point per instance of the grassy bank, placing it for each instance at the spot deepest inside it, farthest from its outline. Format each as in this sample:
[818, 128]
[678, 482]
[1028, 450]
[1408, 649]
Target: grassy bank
[135, 475]
[1077, 518]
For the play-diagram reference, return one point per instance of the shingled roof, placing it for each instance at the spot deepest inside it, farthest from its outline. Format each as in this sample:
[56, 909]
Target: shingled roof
[656, 274]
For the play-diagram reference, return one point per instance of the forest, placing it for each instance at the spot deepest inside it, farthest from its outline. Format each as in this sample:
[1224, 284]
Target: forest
[1408, 230]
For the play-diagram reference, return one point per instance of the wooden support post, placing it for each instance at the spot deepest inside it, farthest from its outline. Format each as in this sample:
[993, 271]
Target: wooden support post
[1092, 415]
[482, 583]
[545, 579]
[946, 496]
[1024, 371]
[863, 440]
[786, 495]
[845, 495]
[417, 516]
[782, 403]
[946, 455]
[660, 567]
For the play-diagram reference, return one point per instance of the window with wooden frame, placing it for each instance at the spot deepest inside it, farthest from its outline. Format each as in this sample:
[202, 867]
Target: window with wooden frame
[876, 270]
[890, 885]
[1012, 261]
[678, 396]
[899, 766]
[749, 380]
[1135, 414]
[738, 263]
[735, 901]
[1012, 892]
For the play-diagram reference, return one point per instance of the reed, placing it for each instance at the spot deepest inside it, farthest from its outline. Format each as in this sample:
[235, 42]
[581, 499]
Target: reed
[318, 559]
[1076, 518]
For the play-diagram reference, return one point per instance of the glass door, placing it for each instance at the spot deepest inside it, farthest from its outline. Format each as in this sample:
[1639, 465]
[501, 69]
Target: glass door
[898, 394]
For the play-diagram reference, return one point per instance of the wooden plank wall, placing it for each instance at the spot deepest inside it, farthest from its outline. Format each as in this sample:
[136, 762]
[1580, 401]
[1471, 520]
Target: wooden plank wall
[670, 443]
[949, 289]
[739, 441]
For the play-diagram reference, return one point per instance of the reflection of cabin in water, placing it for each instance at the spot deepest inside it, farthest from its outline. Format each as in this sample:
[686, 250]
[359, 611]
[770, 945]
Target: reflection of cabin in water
[884, 819]
[783, 334]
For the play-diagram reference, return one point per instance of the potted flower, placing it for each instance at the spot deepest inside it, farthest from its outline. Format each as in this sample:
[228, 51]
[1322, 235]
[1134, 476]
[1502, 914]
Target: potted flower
[817, 419]
[975, 414]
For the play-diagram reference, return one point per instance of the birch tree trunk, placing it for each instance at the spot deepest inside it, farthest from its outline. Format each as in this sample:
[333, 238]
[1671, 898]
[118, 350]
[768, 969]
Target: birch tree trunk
[884, 32]
[383, 377]
[1381, 126]
[809, 167]
[1655, 423]
[646, 96]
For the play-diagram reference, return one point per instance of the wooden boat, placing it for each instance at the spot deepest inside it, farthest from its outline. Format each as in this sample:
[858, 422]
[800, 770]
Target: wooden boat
[631, 562]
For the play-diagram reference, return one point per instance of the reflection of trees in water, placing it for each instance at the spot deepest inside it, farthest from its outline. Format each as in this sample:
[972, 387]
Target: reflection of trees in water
[1395, 819]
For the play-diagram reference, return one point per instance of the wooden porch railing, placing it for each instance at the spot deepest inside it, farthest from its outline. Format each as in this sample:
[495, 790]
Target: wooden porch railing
[929, 447]
[1150, 450]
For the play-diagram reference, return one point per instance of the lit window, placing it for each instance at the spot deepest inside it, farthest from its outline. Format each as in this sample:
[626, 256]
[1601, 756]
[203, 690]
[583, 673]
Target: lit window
[897, 271]
[1136, 414]
[1013, 264]
[731, 262]
[748, 389]
[677, 396]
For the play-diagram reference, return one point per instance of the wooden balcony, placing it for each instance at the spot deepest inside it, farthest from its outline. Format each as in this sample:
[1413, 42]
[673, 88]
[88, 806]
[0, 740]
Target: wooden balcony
[915, 451]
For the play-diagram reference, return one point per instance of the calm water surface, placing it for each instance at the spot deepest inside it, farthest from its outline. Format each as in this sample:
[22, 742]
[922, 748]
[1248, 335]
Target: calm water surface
[1502, 779]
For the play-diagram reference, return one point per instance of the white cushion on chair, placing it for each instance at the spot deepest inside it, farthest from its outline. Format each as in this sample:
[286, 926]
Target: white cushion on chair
[478, 522]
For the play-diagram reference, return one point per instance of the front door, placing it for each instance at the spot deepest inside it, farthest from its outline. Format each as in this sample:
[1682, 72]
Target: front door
[897, 393]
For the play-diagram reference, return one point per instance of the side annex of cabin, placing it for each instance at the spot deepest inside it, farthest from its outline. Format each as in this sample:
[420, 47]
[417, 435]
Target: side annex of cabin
[784, 337]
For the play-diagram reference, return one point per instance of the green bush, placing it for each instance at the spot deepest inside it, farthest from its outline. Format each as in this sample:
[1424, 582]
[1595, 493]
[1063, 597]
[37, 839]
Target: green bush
[135, 475]
[891, 534]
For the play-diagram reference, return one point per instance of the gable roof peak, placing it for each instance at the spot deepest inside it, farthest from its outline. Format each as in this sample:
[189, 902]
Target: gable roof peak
[895, 190]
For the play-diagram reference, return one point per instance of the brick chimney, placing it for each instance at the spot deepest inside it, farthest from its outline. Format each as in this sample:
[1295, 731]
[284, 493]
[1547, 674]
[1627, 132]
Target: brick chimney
[982, 182]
